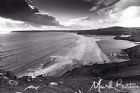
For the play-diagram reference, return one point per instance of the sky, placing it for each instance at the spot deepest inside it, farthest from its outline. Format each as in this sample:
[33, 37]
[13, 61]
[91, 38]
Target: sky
[68, 14]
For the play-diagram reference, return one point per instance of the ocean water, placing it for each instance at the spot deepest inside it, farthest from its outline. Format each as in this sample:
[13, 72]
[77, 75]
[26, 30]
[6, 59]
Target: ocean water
[53, 53]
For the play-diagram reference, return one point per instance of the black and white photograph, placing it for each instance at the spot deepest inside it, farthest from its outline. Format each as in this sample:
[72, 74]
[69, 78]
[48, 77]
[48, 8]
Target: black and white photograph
[69, 46]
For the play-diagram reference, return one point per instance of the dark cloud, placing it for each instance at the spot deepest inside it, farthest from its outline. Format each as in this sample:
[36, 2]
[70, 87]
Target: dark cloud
[21, 10]
[101, 4]
[73, 8]
[64, 8]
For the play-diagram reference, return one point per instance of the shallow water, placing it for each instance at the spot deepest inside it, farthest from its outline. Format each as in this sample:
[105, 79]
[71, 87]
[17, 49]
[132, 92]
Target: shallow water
[113, 48]
[108, 42]
[50, 53]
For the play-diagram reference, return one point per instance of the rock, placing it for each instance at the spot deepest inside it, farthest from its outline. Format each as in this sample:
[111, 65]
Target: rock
[10, 75]
[2, 71]
[13, 82]
[26, 79]
[31, 89]
[53, 84]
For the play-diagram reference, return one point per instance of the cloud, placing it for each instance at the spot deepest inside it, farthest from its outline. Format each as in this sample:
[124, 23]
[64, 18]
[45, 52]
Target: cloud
[123, 4]
[124, 13]
[23, 11]
[101, 4]
[131, 12]
[76, 21]
[8, 25]
[80, 19]
[81, 23]
[129, 17]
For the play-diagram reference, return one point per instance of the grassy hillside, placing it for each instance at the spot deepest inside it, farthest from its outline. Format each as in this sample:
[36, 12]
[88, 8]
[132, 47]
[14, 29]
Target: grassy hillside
[110, 31]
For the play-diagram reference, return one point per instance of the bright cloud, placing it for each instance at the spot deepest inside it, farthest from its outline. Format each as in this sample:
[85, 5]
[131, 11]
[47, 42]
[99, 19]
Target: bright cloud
[8, 25]
[74, 22]
[130, 17]
[131, 12]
